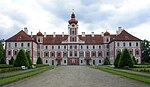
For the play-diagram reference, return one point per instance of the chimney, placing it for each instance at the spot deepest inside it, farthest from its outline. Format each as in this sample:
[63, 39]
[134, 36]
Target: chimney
[44, 34]
[92, 34]
[26, 30]
[83, 34]
[62, 34]
[31, 34]
[54, 34]
[119, 30]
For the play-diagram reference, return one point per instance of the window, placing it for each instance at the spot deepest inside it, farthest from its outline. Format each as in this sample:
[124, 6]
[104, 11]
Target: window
[64, 54]
[75, 47]
[131, 52]
[38, 39]
[64, 47]
[81, 47]
[124, 44]
[52, 47]
[73, 32]
[64, 61]
[107, 40]
[28, 44]
[75, 53]
[9, 45]
[81, 54]
[93, 47]
[21, 44]
[70, 47]
[58, 47]
[53, 54]
[137, 44]
[118, 44]
[70, 53]
[46, 54]
[87, 47]
[107, 53]
[45, 47]
[94, 54]
[99, 61]
[93, 62]
[99, 47]
[130, 44]
[137, 52]
[15, 52]
[15, 44]
[9, 52]
[99, 53]
[58, 54]
[87, 53]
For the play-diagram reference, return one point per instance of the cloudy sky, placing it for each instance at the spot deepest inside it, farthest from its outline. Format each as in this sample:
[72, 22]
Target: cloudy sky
[93, 15]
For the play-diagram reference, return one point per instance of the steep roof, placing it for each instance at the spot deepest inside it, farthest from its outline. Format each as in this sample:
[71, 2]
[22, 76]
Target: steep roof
[125, 36]
[97, 39]
[20, 36]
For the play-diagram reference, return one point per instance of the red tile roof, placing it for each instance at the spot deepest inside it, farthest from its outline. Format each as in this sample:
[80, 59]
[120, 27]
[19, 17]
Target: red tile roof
[125, 36]
[20, 36]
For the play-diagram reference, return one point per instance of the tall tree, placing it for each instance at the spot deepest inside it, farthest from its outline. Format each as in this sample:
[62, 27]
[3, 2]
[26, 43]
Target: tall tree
[125, 59]
[29, 58]
[21, 59]
[106, 62]
[2, 54]
[11, 61]
[117, 59]
[146, 51]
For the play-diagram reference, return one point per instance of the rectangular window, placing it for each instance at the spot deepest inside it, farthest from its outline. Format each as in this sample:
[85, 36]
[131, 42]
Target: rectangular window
[52, 47]
[46, 61]
[75, 54]
[45, 47]
[9, 44]
[70, 47]
[64, 47]
[70, 53]
[58, 47]
[130, 44]
[118, 44]
[38, 39]
[81, 47]
[124, 44]
[81, 61]
[81, 54]
[137, 52]
[137, 44]
[28, 44]
[64, 54]
[53, 54]
[21, 44]
[72, 38]
[87, 53]
[93, 47]
[15, 44]
[93, 62]
[9, 52]
[94, 54]
[46, 54]
[99, 47]
[87, 47]
[99, 61]
[58, 54]
[15, 52]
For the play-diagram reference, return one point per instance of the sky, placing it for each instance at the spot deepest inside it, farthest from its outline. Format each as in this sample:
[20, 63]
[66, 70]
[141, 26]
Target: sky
[93, 16]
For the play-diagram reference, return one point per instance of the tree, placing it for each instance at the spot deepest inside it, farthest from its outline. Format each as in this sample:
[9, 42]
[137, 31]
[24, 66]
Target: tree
[11, 61]
[135, 62]
[117, 59]
[2, 54]
[145, 51]
[21, 59]
[125, 59]
[39, 61]
[106, 62]
[29, 58]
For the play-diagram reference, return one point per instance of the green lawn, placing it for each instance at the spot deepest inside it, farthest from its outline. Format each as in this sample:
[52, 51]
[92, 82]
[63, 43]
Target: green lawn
[14, 76]
[144, 77]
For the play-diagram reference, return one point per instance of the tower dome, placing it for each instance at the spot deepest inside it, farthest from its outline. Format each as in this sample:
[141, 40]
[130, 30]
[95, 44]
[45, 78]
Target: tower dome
[73, 20]
[39, 34]
[106, 33]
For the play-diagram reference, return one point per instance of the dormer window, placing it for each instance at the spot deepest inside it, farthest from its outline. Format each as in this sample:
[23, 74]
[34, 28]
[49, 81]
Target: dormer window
[107, 40]
[38, 39]
[73, 25]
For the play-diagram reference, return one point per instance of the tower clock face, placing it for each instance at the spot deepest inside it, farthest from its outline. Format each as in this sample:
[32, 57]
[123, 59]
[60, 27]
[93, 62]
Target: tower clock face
[73, 25]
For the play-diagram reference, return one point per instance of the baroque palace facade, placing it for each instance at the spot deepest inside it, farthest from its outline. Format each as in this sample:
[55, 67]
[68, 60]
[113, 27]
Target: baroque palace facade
[73, 49]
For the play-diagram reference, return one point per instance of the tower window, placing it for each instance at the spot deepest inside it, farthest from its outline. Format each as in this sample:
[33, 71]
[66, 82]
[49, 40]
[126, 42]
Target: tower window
[72, 38]
[70, 53]
[15, 44]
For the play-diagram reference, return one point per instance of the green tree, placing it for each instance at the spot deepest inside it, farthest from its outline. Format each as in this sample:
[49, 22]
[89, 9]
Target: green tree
[39, 61]
[29, 58]
[117, 59]
[2, 54]
[11, 61]
[125, 59]
[135, 62]
[145, 51]
[21, 59]
[106, 62]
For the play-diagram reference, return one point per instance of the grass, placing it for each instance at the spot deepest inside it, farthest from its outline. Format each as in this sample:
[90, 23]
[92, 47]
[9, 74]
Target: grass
[126, 73]
[8, 78]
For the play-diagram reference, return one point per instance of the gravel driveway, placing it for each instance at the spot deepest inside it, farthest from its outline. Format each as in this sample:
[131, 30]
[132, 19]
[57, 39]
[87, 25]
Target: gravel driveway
[76, 76]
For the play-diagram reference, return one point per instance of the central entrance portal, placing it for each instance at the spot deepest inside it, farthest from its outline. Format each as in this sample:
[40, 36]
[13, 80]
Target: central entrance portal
[73, 61]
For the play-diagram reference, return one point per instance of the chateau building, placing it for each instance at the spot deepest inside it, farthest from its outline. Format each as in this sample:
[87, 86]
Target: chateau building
[73, 49]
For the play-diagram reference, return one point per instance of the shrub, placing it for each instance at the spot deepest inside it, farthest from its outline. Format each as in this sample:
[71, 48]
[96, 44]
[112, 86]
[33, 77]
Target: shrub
[106, 62]
[117, 59]
[21, 59]
[2, 53]
[135, 62]
[29, 58]
[39, 61]
[10, 69]
[125, 59]
[5, 66]
[40, 65]
[11, 61]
